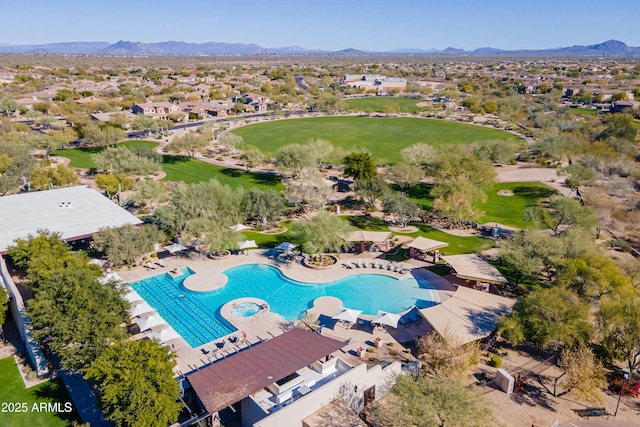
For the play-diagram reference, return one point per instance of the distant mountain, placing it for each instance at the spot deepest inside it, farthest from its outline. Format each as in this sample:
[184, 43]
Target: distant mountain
[71, 47]
[122, 47]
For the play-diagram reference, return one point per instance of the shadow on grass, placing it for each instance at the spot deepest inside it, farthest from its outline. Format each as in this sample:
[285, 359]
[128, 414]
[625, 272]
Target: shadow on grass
[367, 222]
[175, 160]
[54, 392]
[534, 192]
[259, 178]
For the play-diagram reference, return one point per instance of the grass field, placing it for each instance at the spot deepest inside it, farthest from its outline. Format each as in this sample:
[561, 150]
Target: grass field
[14, 391]
[81, 157]
[269, 240]
[582, 111]
[402, 105]
[509, 210]
[382, 137]
[180, 168]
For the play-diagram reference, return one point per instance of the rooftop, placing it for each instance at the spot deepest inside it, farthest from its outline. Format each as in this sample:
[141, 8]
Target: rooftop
[229, 380]
[74, 212]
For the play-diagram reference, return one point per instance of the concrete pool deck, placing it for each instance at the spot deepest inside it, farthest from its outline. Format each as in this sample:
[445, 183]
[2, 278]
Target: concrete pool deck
[267, 324]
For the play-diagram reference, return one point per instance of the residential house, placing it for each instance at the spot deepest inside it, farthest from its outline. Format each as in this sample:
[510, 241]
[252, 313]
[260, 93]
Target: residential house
[157, 110]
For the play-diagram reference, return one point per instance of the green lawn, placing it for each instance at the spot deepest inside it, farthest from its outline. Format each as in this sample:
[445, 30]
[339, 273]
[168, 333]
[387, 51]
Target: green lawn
[180, 168]
[382, 137]
[419, 193]
[457, 244]
[582, 111]
[14, 391]
[81, 157]
[269, 240]
[509, 210]
[375, 103]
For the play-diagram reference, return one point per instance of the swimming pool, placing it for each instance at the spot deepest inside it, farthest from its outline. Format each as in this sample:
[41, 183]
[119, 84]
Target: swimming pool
[195, 315]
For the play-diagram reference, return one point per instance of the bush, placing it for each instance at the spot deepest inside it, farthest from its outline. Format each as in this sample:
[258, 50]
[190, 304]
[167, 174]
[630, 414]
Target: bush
[495, 362]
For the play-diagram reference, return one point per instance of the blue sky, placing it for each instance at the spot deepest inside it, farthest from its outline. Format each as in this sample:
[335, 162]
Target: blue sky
[327, 24]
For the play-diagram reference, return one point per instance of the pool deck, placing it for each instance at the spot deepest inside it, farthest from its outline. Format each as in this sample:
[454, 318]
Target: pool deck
[266, 324]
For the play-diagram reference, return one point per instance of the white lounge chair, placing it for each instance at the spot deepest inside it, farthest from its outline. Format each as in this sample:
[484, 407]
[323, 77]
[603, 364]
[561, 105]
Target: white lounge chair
[150, 266]
[382, 265]
[161, 263]
[359, 264]
[391, 264]
[365, 263]
[397, 267]
[375, 264]
[348, 265]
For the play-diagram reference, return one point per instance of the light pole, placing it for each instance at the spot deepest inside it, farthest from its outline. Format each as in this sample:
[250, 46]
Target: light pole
[622, 386]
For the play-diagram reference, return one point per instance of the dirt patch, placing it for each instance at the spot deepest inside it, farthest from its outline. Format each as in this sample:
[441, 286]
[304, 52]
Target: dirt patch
[506, 193]
[407, 229]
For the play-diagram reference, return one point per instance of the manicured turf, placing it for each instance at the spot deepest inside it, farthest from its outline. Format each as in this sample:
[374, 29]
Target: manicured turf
[81, 157]
[382, 137]
[583, 111]
[509, 210]
[457, 244]
[375, 103]
[269, 240]
[14, 391]
[180, 168]
[419, 193]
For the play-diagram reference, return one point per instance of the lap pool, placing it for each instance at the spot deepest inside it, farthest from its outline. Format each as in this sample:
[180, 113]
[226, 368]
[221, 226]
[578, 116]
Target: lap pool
[196, 315]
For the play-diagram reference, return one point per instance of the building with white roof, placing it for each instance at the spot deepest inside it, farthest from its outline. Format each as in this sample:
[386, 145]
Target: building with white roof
[74, 212]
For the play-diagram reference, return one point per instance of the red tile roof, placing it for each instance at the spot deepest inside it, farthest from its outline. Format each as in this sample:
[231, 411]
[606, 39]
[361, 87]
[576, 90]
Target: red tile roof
[232, 379]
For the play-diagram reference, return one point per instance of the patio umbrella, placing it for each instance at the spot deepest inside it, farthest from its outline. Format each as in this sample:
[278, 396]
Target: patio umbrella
[150, 322]
[385, 318]
[164, 334]
[133, 297]
[285, 246]
[239, 227]
[347, 314]
[247, 244]
[176, 247]
[140, 309]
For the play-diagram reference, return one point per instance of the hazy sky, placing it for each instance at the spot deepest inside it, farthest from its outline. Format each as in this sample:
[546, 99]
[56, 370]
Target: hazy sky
[327, 24]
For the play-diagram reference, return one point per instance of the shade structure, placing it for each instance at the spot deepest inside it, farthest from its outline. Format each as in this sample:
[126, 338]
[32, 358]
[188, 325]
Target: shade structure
[133, 297]
[247, 244]
[347, 314]
[140, 309]
[239, 227]
[165, 334]
[150, 322]
[385, 318]
[286, 246]
[176, 247]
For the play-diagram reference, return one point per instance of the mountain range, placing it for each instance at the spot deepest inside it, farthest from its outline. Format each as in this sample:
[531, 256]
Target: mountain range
[608, 48]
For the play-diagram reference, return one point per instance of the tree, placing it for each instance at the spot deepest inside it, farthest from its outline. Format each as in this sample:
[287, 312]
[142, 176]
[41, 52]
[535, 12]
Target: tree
[420, 154]
[145, 123]
[528, 253]
[45, 177]
[592, 275]
[455, 164]
[569, 212]
[214, 235]
[137, 384]
[446, 355]
[121, 160]
[454, 199]
[96, 136]
[189, 144]
[113, 184]
[618, 323]
[253, 158]
[549, 316]
[359, 166]
[77, 316]
[263, 206]
[619, 126]
[232, 141]
[310, 192]
[400, 207]
[427, 401]
[294, 158]
[370, 191]
[404, 175]
[578, 176]
[583, 374]
[125, 244]
[4, 299]
[323, 151]
[321, 234]
[150, 193]
[497, 151]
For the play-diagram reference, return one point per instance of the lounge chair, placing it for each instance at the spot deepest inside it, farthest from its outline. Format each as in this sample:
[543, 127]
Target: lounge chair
[359, 264]
[348, 265]
[150, 266]
[391, 264]
[161, 263]
[365, 263]
[382, 265]
[397, 267]
[375, 264]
